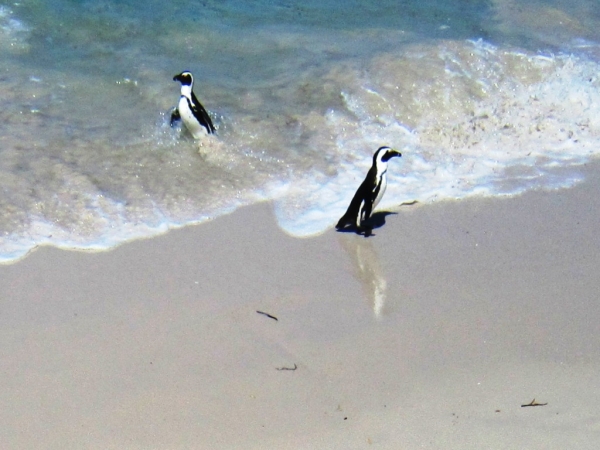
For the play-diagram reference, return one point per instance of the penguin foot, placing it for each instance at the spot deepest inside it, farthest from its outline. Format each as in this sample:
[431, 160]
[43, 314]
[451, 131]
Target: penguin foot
[367, 232]
[361, 231]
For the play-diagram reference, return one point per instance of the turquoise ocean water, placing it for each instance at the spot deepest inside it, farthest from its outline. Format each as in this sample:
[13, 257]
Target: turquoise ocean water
[482, 98]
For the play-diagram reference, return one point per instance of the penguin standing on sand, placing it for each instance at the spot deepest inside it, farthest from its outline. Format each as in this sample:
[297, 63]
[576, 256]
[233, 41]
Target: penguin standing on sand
[369, 193]
[190, 110]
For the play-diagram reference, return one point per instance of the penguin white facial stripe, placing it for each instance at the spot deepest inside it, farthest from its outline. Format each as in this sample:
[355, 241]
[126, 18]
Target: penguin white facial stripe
[186, 78]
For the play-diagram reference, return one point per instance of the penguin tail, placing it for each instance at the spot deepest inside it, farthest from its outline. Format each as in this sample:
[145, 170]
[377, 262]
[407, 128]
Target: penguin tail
[344, 223]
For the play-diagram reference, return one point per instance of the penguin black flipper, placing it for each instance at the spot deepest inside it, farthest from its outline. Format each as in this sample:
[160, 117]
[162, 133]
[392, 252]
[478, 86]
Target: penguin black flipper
[175, 116]
[201, 114]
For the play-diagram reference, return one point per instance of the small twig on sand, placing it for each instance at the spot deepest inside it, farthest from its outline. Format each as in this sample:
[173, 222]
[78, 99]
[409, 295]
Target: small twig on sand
[268, 315]
[288, 368]
[410, 203]
[534, 403]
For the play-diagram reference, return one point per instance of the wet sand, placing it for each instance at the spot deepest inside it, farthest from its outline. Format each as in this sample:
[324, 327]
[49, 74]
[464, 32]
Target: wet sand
[430, 334]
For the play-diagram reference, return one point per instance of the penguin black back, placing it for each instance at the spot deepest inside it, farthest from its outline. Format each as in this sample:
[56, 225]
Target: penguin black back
[369, 192]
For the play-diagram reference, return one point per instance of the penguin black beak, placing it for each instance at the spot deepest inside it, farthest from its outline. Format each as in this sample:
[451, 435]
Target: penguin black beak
[177, 77]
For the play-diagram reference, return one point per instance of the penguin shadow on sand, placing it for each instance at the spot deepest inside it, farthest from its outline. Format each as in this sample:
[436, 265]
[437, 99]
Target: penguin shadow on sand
[377, 220]
[367, 270]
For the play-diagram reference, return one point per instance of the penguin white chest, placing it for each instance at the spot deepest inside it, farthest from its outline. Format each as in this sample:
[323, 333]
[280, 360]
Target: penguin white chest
[382, 186]
[189, 120]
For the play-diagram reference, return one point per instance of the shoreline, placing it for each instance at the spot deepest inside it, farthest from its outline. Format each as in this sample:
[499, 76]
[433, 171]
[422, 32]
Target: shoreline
[430, 334]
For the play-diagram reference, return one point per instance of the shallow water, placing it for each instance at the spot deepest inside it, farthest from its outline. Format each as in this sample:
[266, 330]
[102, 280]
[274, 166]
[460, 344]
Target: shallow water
[492, 98]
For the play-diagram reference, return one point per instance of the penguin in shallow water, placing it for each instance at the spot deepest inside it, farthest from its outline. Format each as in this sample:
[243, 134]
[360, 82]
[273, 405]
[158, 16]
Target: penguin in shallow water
[190, 110]
[369, 192]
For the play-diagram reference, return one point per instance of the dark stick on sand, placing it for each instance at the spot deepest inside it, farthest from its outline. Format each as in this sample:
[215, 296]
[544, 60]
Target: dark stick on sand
[533, 403]
[268, 315]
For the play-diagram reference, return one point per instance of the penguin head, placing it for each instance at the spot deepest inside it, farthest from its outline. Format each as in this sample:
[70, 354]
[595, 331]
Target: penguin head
[384, 154]
[185, 78]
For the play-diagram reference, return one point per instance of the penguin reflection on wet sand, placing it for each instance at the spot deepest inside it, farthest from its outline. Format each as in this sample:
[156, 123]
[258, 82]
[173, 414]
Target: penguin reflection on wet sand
[368, 194]
[190, 110]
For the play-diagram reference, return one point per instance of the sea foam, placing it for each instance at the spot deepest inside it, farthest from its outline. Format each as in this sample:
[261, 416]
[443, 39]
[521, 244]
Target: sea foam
[469, 118]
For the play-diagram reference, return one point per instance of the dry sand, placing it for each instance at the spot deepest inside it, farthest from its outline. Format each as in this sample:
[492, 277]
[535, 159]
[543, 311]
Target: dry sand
[429, 335]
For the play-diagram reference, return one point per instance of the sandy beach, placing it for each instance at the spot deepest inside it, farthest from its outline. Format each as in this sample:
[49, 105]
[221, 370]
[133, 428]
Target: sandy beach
[429, 335]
